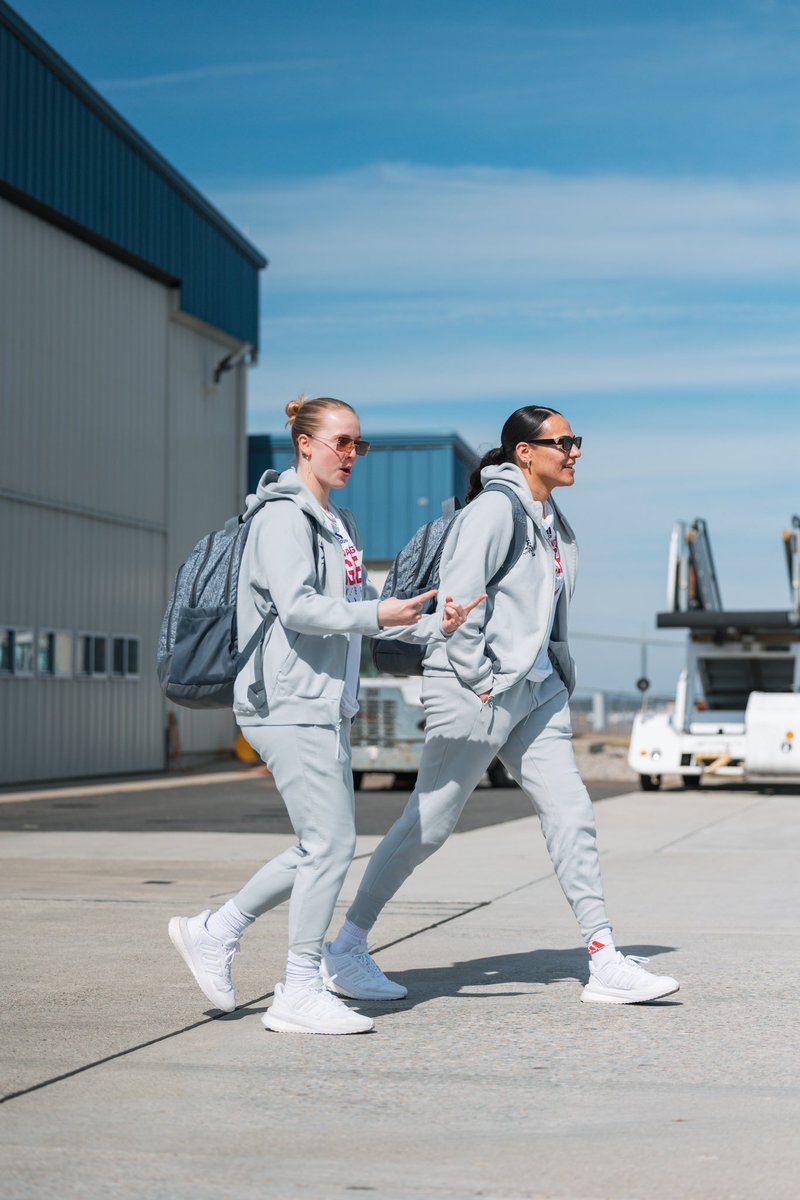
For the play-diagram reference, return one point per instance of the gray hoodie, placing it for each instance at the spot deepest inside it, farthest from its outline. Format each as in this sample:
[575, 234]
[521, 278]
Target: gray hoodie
[305, 650]
[501, 641]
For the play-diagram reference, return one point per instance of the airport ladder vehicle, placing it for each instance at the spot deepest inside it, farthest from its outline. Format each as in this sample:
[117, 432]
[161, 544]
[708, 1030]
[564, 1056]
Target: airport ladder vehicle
[737, 703]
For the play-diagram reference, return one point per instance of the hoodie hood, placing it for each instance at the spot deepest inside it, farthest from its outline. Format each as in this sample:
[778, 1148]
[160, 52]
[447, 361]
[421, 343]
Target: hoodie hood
[517, 623]
[278, 486]
[510, 474]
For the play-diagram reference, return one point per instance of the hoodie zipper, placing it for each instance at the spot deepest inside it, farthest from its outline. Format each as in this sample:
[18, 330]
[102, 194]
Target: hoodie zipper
[317, 532]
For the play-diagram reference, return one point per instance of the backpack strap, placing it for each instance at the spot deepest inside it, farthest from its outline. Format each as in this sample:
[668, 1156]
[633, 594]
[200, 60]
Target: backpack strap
[257, 692]
[520, 535]
[450, 506]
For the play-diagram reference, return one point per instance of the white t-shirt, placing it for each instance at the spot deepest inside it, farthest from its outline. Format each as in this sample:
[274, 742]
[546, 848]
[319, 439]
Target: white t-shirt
[353, 591]
[543, 667]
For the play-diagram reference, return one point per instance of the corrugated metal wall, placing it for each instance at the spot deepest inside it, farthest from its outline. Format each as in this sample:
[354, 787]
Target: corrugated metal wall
[64, 147]
[117, 453]
[82, 501]
[84, 381]
[399, 486]
[75, 573]
[206, 482]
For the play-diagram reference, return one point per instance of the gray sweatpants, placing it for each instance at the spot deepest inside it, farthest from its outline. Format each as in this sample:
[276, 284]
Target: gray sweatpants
[311, 768]
[528, 727]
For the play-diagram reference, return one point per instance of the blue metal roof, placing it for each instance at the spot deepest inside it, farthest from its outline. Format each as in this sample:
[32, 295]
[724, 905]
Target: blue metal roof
[71, 158]
[398, 487]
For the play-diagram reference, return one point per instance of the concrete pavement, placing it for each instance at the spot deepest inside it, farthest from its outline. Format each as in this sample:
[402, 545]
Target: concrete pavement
[491, 1080]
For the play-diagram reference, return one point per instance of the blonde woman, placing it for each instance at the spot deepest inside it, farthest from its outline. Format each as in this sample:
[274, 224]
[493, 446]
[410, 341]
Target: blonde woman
[303, 562]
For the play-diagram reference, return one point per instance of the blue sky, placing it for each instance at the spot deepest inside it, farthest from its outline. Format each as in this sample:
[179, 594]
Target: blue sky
[467, 207]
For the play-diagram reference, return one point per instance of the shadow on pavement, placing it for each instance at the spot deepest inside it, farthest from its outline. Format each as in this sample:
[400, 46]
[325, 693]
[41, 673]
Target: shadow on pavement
[541, 967]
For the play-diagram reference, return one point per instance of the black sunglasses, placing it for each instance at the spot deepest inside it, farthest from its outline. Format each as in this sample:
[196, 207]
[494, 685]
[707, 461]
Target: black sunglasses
[564, 443]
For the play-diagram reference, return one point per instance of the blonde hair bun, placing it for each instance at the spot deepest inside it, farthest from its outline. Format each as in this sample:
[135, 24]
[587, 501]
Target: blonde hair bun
[305, 415]
[293, 409]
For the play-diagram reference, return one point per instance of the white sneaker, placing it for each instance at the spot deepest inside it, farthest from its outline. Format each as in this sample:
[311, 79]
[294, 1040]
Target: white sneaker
[312, 1009]
[623, 981]
[207, 958]
[357, 975]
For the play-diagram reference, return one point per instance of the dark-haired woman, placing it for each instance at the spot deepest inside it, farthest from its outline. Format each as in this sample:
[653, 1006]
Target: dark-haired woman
[303, 563]
[500, 686]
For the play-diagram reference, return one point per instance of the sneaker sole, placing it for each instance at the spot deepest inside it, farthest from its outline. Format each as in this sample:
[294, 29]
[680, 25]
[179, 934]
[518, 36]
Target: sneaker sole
[175, 931]
[338, 990]
[279, 1026]
[599, 998]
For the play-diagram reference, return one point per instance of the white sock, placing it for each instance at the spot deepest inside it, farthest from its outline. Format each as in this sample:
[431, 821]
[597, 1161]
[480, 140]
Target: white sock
[348, 938]
[601, 947]
[300, 972]
[227, 924]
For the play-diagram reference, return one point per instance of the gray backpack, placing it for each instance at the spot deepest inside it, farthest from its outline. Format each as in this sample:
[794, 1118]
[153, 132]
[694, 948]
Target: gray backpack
[416, 570]
[198, 652]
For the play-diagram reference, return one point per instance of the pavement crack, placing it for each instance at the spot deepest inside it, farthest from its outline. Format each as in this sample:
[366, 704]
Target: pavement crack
[434, 925]
[98, 1062]
[165, 1037]
[702, 828]
[464, 912]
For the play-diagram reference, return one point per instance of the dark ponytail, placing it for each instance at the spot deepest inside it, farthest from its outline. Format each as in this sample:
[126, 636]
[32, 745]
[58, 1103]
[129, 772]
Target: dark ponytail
[522, 426]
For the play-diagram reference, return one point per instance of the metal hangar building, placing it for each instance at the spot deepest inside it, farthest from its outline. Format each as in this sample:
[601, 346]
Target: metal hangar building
[128, 314]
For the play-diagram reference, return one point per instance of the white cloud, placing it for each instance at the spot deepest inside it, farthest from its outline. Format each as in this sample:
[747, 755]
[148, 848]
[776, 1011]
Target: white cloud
[417, 376]
[660, 314]
[397, 228]
[436, 290]
[205, 74]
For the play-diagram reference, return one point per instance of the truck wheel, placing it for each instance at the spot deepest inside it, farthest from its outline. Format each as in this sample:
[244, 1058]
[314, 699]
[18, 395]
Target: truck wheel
[405, 781]
[499, 776]
[358, 779]
[649, 783]
[690, 781]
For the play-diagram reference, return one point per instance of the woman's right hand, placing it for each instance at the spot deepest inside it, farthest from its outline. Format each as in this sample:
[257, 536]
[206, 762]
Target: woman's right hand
[402, 612]
[408, 612]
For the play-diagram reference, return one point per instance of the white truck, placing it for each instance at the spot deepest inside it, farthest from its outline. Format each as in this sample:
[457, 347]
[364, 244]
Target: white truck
[737, 704]
[389, 732]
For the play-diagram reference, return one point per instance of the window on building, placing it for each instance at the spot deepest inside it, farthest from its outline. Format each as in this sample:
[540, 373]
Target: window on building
[54, 653]
[16, 651]
[124, 656]
[23, 651]
[91, 655]
[6, 651]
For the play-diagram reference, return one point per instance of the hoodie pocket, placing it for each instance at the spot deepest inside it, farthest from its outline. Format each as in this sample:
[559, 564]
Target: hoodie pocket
[563, 663]
[286, 660]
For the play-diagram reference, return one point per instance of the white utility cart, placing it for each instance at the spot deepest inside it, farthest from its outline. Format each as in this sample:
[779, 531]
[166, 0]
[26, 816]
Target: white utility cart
[737, 703]
[389, 732]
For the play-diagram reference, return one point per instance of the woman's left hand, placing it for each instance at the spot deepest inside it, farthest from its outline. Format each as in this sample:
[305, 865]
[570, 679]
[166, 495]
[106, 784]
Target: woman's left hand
[454, 615]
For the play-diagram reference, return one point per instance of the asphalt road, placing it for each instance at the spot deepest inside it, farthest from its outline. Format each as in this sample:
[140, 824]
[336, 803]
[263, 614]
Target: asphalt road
[238, 803]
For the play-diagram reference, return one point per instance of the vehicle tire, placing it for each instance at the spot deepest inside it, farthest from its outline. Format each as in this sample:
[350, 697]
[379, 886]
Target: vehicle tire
[358, 779]
[499, 776]
[649, 783]
[690, 781]
[405, 781]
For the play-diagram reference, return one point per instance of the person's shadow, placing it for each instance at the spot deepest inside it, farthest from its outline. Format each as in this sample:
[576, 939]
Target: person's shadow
[477, 979]
[482, 978]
